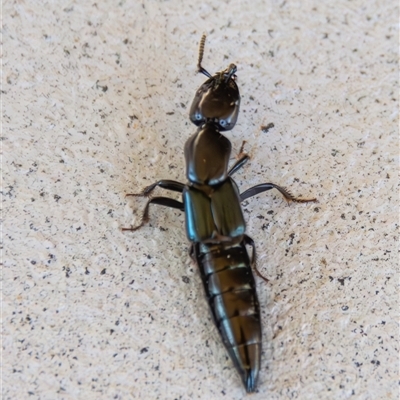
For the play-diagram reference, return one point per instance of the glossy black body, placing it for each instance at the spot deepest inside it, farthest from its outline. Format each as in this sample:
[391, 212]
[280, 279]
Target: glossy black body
[215, 224]
[216, 227]
[230, 289]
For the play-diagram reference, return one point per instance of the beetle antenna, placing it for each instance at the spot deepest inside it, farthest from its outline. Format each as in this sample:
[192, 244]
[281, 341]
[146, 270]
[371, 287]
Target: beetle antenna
[201, 53]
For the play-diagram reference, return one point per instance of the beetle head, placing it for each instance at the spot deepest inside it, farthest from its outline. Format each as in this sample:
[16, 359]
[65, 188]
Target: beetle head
[217, 100]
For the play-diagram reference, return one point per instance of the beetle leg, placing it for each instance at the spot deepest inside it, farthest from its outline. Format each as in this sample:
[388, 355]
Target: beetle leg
[163, 183]
[239, 164]
[241, 151]
[242, 159]
[194, 249]
[250, 242]
[263, 187]
[162, 201]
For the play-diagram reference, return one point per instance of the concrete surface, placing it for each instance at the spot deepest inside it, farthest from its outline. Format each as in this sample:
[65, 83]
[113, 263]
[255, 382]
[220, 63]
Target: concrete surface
[95, 105]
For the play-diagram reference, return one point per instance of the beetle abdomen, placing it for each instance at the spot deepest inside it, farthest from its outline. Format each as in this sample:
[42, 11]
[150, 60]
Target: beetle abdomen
[231, 293]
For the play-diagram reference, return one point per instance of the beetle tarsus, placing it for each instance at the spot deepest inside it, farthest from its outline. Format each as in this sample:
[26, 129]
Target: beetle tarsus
[135, 194]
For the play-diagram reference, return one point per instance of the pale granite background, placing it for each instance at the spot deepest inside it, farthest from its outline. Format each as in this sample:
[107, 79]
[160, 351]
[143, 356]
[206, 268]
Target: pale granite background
[95, 105]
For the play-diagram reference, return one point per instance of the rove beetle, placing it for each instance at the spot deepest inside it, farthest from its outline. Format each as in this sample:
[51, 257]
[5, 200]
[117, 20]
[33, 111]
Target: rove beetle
[215, 224]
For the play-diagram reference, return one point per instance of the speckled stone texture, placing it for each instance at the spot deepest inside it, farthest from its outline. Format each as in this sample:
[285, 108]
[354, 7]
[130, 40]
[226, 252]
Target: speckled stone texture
[95, 105]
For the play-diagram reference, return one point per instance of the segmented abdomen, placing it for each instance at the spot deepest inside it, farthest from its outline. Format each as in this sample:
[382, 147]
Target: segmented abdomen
[230, 289]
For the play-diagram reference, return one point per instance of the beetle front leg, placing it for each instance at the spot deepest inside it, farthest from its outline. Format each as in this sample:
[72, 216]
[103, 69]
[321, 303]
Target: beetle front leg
[242, 159]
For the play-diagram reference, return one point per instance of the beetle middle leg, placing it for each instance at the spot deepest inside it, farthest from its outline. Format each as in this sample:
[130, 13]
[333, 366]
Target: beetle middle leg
[162, 201]
[263, 187]
[163, 183]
